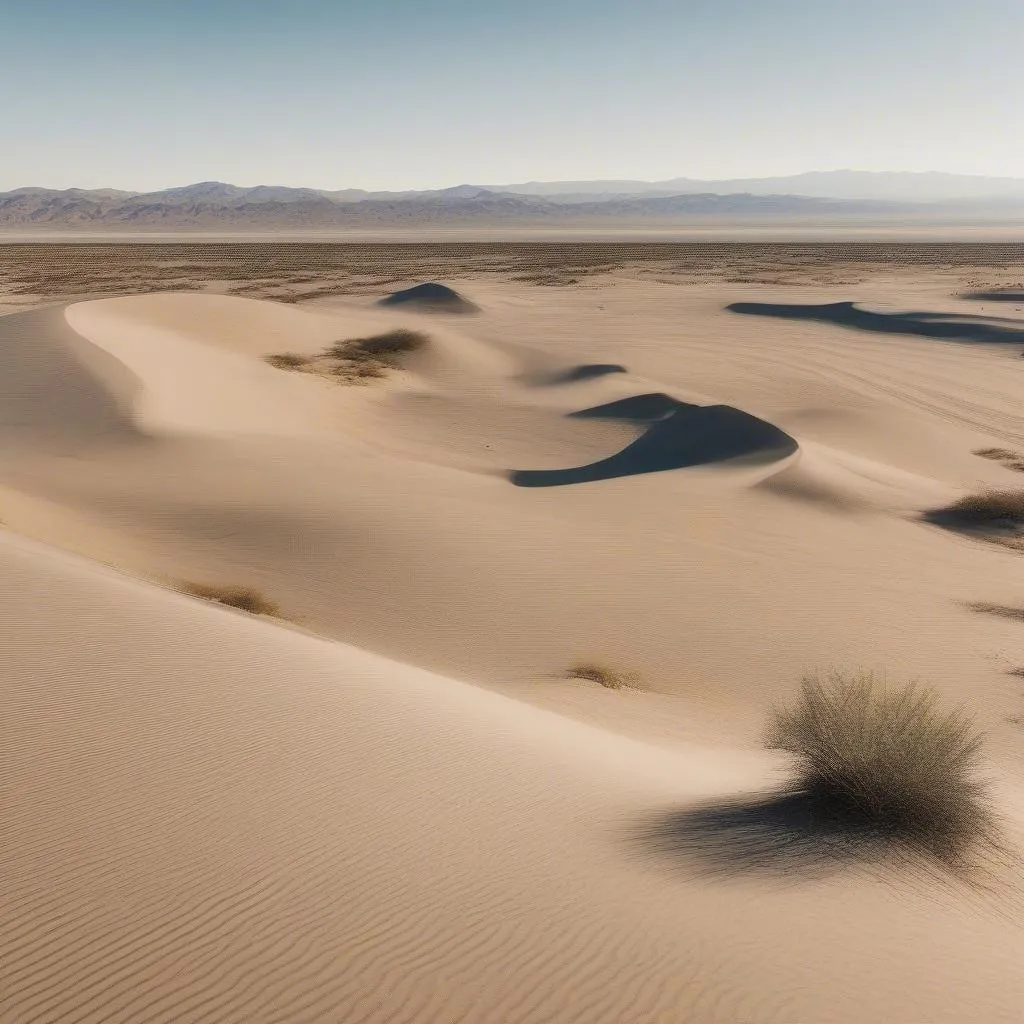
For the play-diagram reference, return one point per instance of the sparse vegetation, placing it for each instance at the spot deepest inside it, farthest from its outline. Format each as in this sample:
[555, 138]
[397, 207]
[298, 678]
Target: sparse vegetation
[996, 454]
[888, 762]
[609, 678]
[287, 360]
[367, 369]
[248, 599]
[356, 359]
[384, 348]
[991, 507]
[1004, 611]
[1009, 459]
[371, 357]
[996, 516]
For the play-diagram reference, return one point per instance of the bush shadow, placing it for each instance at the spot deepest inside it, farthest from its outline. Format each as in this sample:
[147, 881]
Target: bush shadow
[999, 296]
[774, 834]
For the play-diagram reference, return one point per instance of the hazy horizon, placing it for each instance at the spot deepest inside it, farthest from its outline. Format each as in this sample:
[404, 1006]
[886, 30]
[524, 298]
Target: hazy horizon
[397, 96]
[815, 172]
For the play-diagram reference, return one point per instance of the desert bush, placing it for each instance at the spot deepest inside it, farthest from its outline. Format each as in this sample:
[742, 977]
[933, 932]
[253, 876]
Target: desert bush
[988, 508]
[287, 360]
[887, 760]
[998, 454]
[380, 347]
[1004, 611]
[248, 599]
[606, 677]
[368, 368]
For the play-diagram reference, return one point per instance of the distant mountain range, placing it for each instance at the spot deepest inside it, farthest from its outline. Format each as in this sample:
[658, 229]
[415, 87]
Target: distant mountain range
[825, 197]
[893, 186]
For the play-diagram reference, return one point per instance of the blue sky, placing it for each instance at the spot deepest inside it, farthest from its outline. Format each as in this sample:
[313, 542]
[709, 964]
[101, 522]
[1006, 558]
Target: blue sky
[428, 93]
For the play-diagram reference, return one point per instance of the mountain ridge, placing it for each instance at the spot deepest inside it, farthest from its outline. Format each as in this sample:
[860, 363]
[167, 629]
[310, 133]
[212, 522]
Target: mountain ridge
[216, 205]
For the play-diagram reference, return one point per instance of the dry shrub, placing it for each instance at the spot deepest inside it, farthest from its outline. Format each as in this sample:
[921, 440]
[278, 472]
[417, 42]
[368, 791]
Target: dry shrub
[369, 369]
[380, 347]
[987, 508]
[998, 454]
[602, 674]
[887, 761]
[287, 360]
[248, 599]
[1004, 611]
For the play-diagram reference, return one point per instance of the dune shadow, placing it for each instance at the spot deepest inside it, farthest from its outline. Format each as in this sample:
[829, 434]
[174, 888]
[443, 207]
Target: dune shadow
[945, 326]
[1000, 296]
[647, 408]
[430, 297]
[1007, 530]
[575, 374]
[689, 436]
[777, 833]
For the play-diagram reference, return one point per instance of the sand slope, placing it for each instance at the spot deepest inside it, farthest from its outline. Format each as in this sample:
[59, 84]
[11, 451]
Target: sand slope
[210, 818]
[213, 817]
[387, 515]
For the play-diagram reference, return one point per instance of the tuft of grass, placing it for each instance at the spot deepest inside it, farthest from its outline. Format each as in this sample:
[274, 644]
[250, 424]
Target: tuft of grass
[1019, 671]
[1004, 611]
[602, 674]
[248, 599]
[988, 508]
[887, 761]
[381, 347]
[998, 454]
[369, 369]
[287, 360]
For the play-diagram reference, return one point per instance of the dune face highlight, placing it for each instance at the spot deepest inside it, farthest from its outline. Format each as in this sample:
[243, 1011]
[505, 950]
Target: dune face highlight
[444, 697]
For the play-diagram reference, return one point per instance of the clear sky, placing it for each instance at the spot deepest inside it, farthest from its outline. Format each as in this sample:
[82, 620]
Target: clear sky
[390, 94]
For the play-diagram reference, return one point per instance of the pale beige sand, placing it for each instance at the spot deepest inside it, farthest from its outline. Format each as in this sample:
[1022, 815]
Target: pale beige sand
[223, 818]
[209, 818]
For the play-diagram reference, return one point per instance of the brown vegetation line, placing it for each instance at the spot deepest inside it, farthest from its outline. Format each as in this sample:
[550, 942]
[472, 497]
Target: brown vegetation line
[294, 271]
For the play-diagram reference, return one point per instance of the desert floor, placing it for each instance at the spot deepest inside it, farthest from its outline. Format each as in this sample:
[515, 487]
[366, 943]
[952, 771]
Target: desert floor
[710, 467]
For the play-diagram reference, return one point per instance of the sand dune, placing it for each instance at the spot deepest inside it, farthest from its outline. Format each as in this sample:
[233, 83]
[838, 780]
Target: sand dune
[337, 817]
[383, 515]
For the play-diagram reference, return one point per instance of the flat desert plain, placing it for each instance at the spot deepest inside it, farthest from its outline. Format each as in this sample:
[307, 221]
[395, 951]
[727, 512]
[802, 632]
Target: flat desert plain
[707, 469]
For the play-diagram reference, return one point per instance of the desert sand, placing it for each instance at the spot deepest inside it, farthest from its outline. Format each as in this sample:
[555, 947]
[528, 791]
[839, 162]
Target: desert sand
[390, 804]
